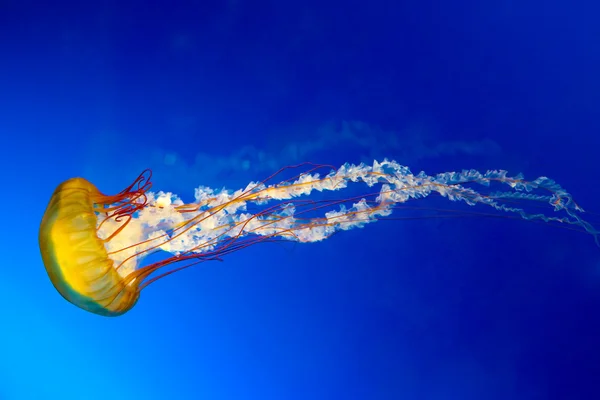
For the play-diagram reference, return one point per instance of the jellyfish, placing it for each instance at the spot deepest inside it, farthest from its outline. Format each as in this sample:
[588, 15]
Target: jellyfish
[93, 245]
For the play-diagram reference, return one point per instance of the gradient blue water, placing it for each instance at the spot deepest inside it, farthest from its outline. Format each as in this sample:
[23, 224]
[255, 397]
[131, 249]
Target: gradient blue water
[223, 93]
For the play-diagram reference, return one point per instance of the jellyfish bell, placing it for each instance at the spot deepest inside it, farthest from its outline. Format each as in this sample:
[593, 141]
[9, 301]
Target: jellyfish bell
[76, 258]
[94, 245]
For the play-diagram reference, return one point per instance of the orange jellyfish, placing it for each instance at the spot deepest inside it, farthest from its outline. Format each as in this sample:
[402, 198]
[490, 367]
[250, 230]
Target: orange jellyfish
[93, 245]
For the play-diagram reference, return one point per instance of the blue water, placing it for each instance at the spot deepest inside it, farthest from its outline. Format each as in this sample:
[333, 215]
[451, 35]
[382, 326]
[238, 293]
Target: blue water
[222, 93]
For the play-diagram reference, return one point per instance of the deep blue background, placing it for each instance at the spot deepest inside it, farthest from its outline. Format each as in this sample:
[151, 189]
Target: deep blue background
[221, 93]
